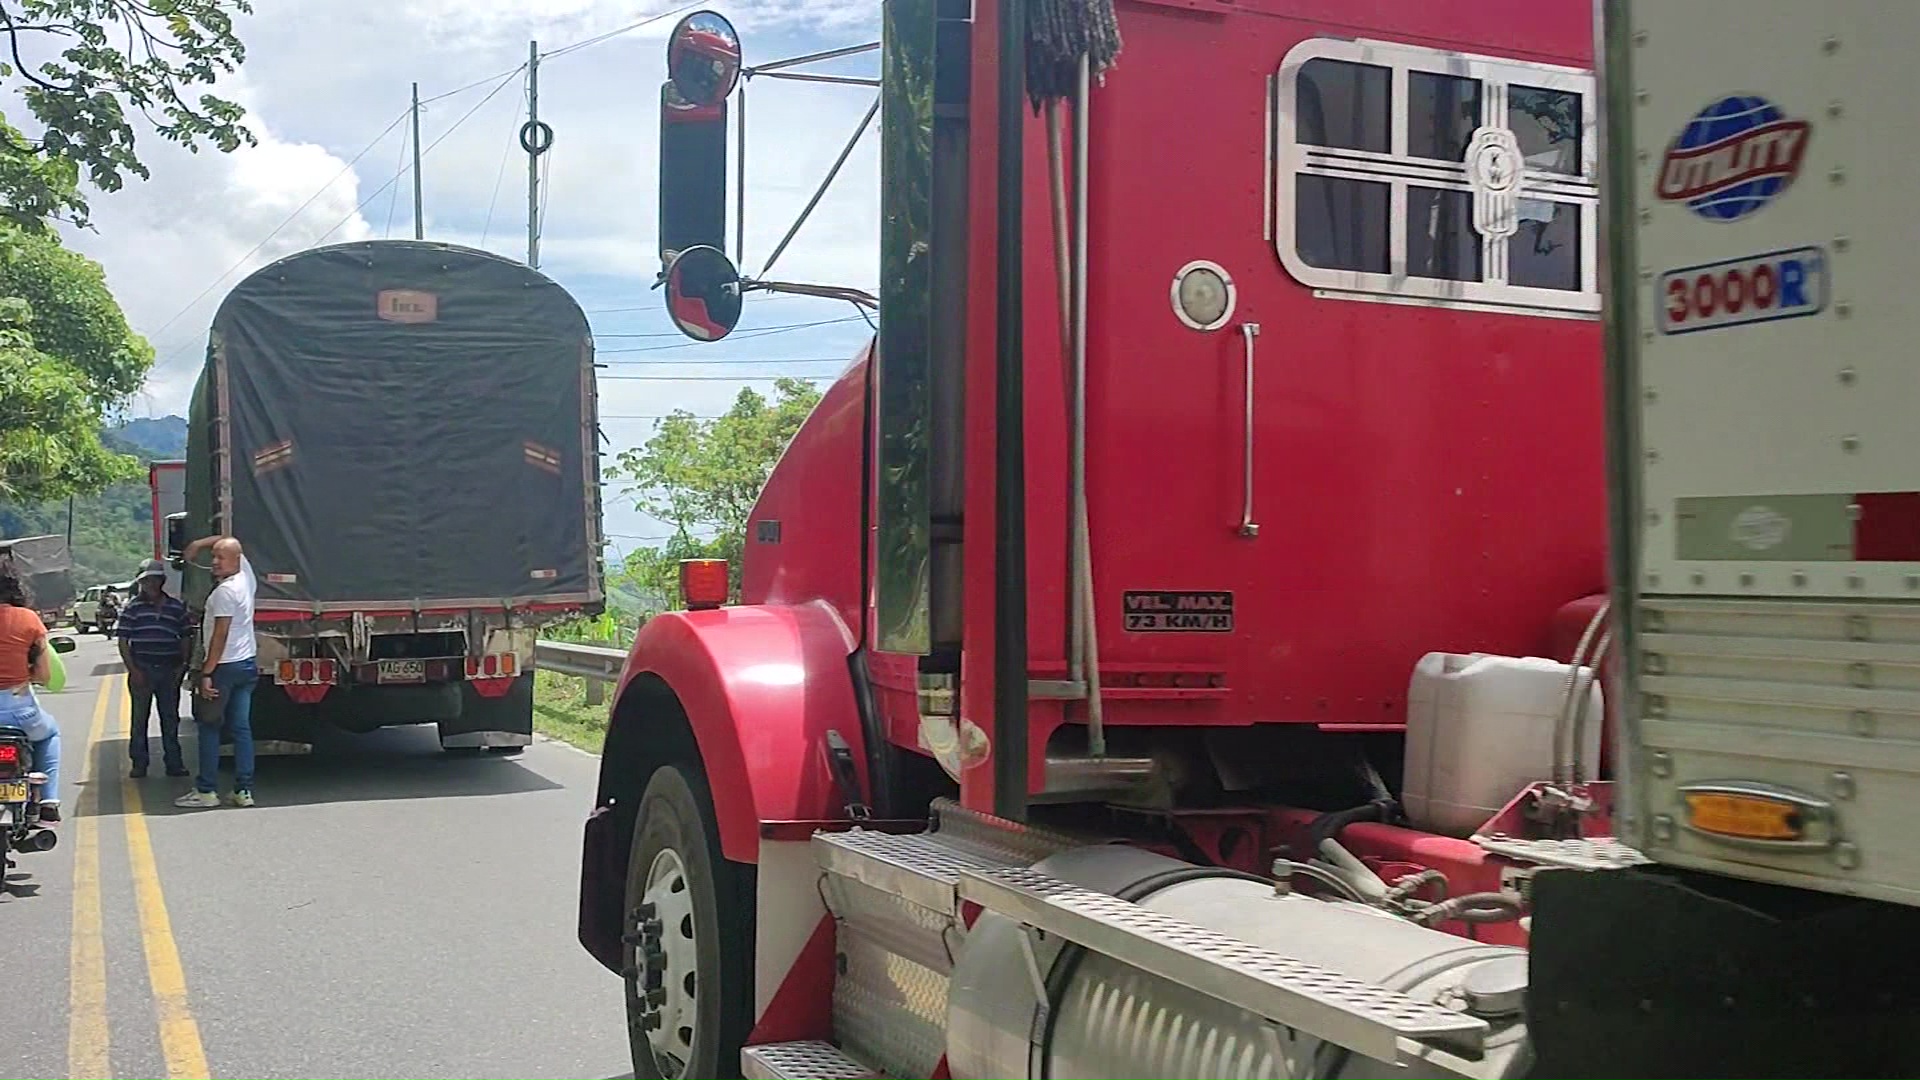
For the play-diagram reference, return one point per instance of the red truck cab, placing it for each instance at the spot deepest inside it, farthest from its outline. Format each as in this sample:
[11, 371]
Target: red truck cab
[1308, 323]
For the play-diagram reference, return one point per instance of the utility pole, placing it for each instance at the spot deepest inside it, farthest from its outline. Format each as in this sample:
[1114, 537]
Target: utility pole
[531, 143]
[419, 218]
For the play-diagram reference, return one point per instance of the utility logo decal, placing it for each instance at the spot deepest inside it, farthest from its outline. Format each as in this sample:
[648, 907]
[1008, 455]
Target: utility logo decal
[1758, 288]
[1161, 612]
[1734, 158]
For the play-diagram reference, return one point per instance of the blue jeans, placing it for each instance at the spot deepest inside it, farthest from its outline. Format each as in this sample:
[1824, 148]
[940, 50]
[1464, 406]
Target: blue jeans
[24, 711]
[235, 682]
[161, 688]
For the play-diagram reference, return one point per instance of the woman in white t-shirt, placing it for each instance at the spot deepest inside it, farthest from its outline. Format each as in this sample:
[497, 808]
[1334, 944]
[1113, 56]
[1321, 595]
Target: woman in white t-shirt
[227, 673]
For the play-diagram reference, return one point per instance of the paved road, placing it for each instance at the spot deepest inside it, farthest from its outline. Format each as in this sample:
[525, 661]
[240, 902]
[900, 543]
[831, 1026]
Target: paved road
[386, 911]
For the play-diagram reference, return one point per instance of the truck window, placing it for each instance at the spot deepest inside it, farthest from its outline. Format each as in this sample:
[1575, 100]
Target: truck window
[1404, 173]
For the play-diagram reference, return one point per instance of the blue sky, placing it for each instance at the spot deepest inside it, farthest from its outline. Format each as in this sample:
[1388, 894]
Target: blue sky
[325, 81]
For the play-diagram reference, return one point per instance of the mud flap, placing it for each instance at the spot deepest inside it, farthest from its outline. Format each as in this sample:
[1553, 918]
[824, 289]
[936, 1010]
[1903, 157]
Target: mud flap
[1661, 973]
[603, 873]
[506, 720]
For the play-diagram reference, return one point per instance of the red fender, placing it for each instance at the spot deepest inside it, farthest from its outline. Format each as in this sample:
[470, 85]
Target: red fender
[761, 687]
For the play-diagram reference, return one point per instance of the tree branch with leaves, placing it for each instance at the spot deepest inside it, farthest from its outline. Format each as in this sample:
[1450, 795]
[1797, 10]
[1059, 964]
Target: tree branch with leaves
[84, 66]
[701, 477]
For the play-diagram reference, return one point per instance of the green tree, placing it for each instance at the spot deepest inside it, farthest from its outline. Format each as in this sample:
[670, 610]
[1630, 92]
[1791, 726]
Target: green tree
[701, 477]
[96, 62]
[67, 359]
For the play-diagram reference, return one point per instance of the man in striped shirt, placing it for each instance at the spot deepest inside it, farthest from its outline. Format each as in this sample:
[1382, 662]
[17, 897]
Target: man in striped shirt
[156, 637]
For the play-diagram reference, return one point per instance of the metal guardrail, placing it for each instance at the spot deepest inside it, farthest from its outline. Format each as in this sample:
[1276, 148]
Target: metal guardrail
[595, 663]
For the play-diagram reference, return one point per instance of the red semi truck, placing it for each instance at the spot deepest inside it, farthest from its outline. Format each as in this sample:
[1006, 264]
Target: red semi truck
[1170, 648]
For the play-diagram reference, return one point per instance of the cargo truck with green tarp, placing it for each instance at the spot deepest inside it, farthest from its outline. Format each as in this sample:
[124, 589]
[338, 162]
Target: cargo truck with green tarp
[403, 436]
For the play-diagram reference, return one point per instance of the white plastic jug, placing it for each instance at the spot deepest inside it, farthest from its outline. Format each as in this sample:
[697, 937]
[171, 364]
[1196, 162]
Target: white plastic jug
[1480, 729]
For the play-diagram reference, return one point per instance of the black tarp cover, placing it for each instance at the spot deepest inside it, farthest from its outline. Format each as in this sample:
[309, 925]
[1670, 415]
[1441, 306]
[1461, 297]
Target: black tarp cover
[45, 567]
[410, 422]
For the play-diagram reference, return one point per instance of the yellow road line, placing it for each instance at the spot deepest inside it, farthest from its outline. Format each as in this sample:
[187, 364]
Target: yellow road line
[87, 981]
[179, 1033]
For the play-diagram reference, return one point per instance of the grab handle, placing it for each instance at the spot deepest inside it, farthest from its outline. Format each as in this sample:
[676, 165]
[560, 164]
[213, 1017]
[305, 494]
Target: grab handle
[1248, 527]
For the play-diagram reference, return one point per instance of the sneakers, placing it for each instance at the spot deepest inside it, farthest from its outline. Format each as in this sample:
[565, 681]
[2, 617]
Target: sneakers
[49, 813]
[240, 797]
[178, 770]
[138, 772]
[197, 800]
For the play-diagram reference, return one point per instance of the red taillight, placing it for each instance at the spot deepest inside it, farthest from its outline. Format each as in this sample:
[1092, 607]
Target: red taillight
[473, 667]
[306, 671]
[491, 665]
[327, 673]
[9, 755]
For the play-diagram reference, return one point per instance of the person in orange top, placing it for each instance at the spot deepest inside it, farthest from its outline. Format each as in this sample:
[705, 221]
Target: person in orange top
[26, 659]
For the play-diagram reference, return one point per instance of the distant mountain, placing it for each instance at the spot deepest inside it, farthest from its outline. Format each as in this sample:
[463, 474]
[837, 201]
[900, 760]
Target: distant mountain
[161, 437]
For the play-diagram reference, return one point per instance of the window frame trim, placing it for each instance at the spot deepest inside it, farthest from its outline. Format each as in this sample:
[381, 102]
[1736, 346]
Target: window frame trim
[1288, 158]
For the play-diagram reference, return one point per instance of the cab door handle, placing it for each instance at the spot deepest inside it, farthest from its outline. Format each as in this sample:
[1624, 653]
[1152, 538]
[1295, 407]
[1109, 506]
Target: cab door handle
[1248, 527]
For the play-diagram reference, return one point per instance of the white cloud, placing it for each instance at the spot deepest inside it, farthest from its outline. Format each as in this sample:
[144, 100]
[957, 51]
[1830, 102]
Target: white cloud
[324, 77]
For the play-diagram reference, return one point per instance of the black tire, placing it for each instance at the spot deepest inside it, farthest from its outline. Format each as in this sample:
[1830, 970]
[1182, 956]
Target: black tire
[676, 812]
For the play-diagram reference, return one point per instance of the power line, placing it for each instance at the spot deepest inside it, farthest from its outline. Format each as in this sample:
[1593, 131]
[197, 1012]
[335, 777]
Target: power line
[388, 129]
[424, 151]
[743, 336]
[711, 378]
[757, 331]
[351, 214]
[242, 261]
[730, 361]
[500, 178]
[756, 299]
[611, 34]
[393, 199]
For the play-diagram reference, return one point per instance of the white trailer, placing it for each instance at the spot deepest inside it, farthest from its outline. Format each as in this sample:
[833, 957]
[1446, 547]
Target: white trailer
[1767, 460]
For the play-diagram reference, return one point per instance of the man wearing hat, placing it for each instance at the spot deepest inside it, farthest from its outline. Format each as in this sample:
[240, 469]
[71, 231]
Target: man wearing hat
[156, 638]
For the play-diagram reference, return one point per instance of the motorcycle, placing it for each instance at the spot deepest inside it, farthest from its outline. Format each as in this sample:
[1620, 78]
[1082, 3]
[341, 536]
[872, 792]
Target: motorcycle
[20, 789]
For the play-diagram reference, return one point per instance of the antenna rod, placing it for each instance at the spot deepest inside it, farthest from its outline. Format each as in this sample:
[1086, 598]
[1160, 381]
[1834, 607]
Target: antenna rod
[419, 218]
[533, 159]
[811, 58]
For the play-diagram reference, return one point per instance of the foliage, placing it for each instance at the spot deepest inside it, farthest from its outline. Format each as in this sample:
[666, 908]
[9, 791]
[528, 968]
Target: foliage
[34, 189]
[99, 59]
[702, 476]
[67, 359]
[561, 711]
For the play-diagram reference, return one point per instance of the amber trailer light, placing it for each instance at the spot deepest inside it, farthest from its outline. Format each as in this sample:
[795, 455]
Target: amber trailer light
[703, 583]
[1757, 813]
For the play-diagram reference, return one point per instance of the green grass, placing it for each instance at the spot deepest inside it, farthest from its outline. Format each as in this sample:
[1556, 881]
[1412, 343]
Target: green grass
[560, 711]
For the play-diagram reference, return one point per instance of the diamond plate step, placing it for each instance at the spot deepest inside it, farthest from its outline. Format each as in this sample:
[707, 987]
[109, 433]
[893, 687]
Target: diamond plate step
[809, 1060]
[1591, 853]
[1369, 1019]
[916, 867]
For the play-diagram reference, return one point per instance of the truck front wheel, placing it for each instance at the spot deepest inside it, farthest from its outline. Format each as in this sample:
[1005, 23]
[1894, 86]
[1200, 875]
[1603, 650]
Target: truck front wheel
[687, 953]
